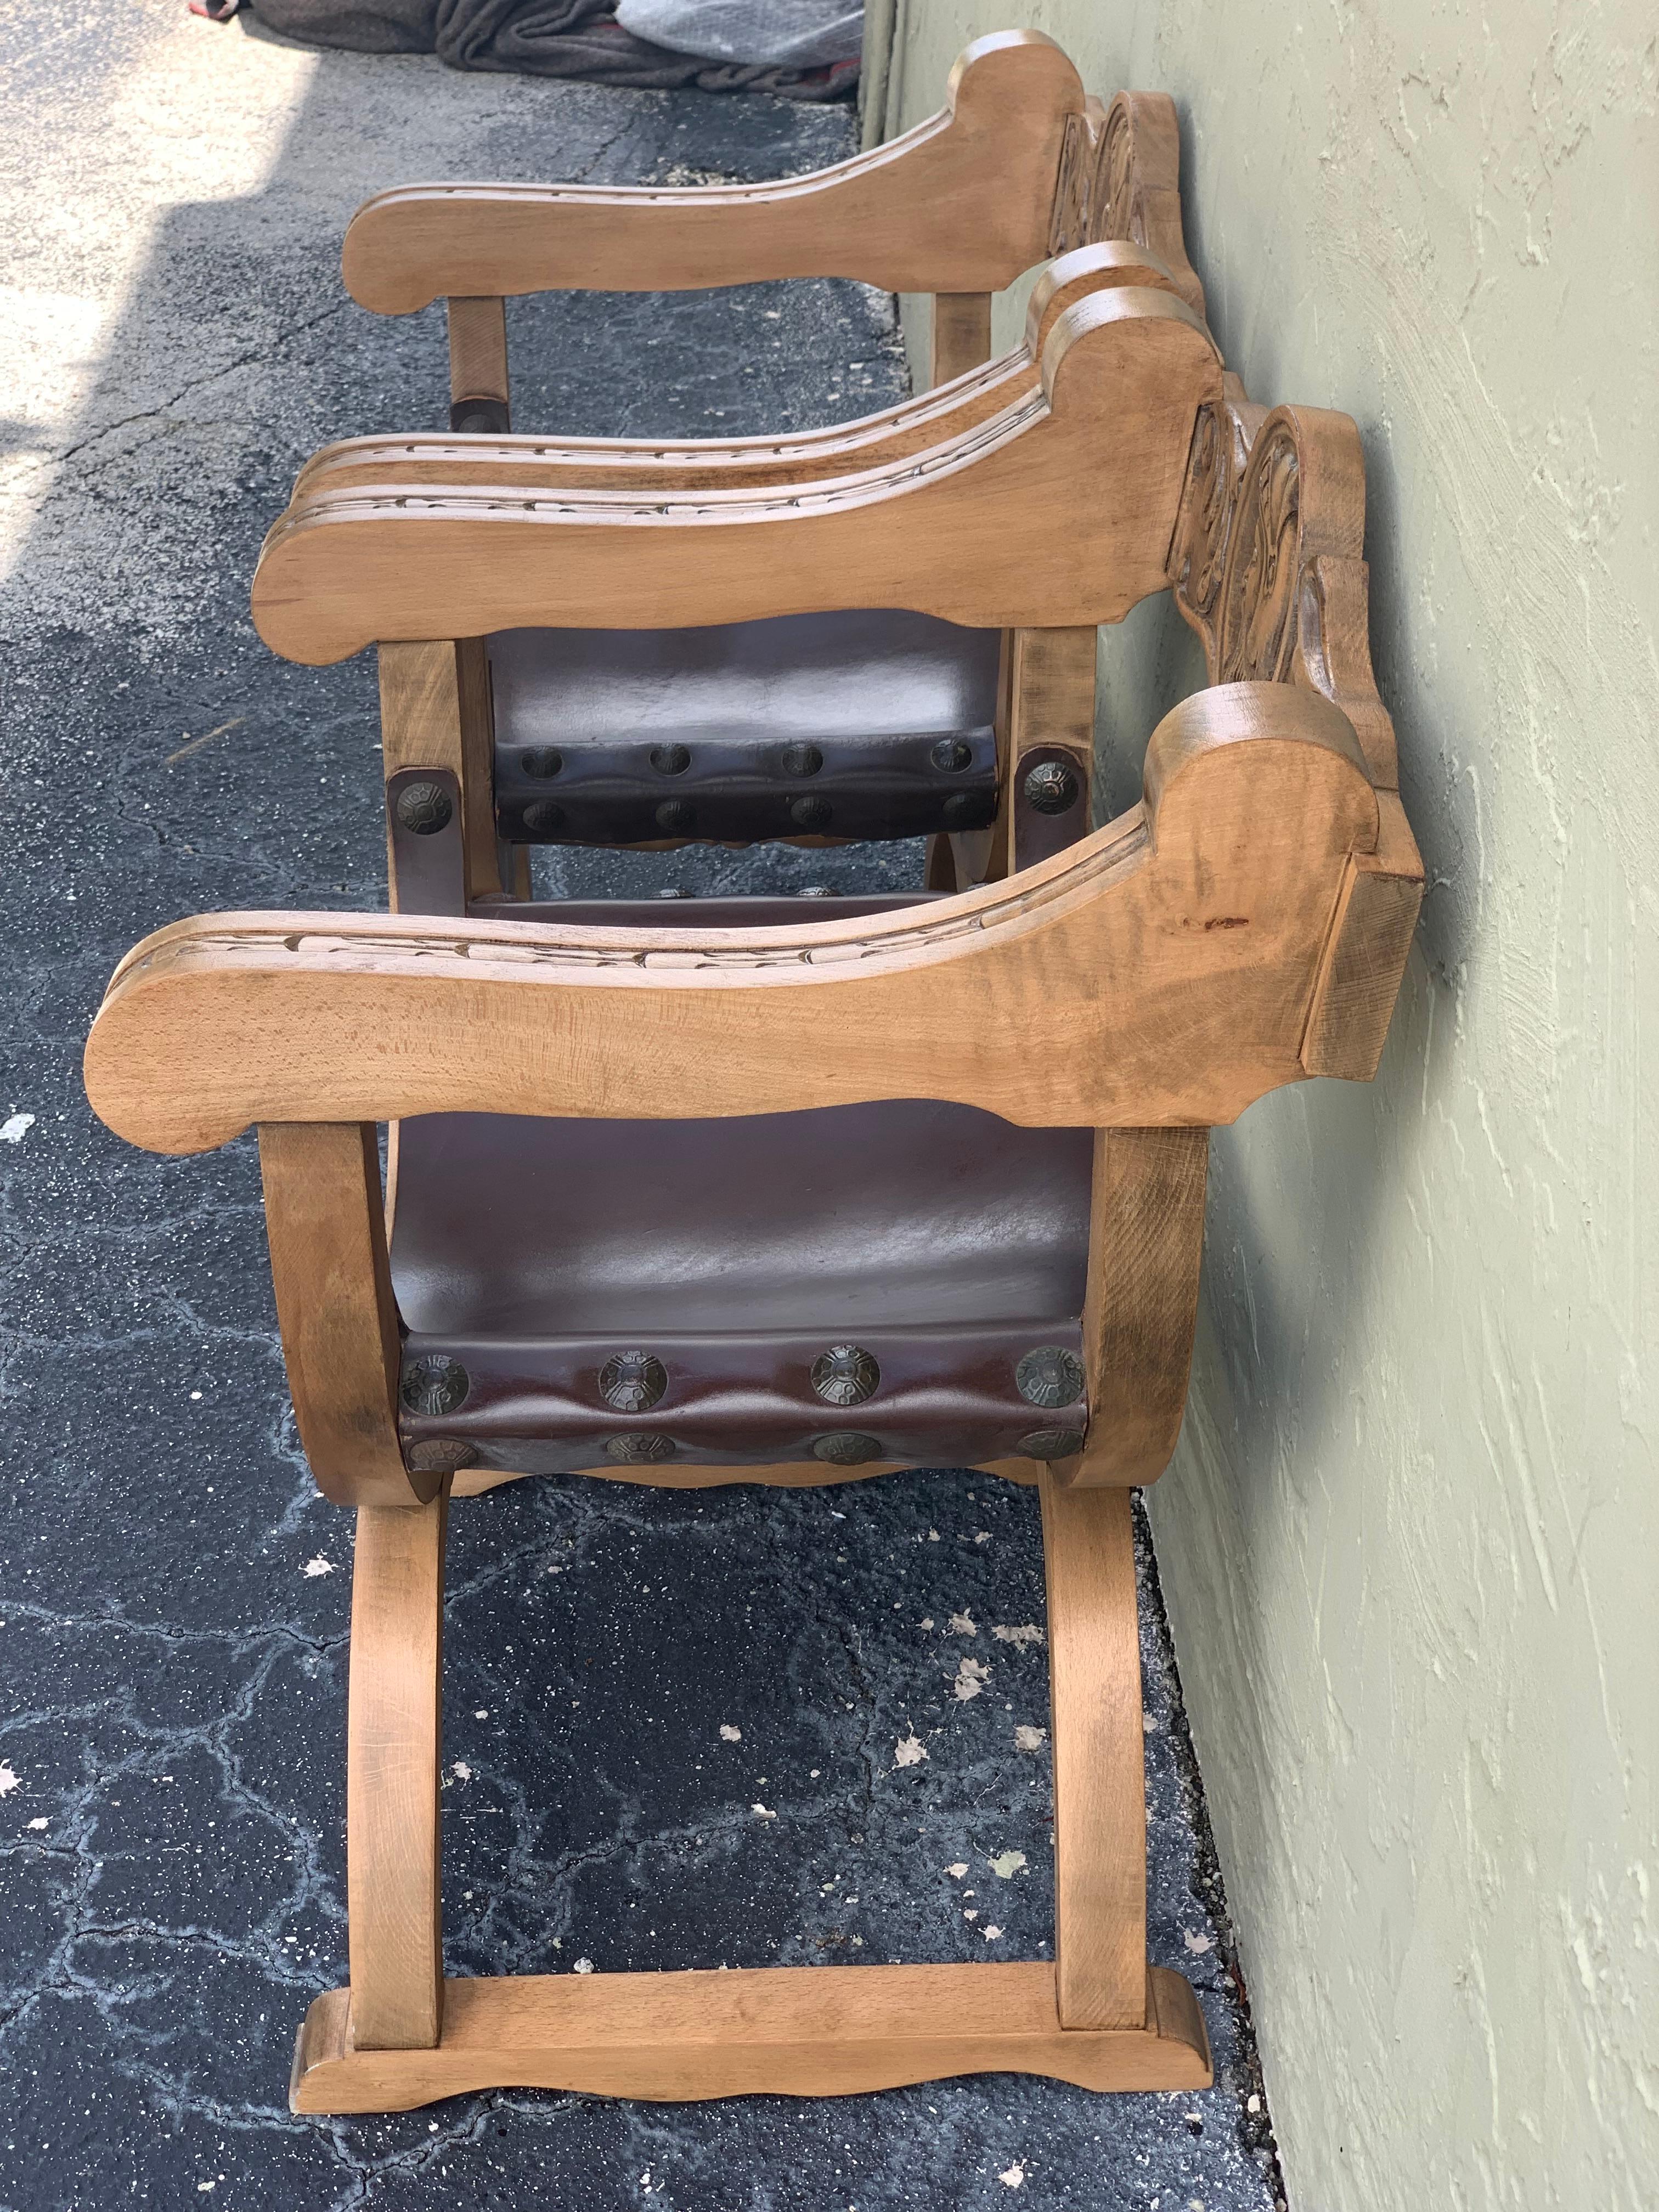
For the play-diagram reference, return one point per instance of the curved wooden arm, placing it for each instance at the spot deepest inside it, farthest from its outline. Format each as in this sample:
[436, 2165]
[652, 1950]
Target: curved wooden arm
[961, 203]
[894, 433]
[1165, 971]
[1056, 513]
[335, 1310]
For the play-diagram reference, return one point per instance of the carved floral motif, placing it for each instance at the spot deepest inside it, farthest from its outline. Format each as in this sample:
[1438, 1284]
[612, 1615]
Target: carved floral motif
[1257, 628]
[1266, 564]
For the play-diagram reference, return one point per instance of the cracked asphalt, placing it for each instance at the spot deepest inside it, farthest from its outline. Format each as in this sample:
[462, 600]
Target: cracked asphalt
[672, 1720]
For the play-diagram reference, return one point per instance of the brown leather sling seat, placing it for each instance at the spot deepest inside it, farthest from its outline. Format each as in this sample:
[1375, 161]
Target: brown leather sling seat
[719, 1263]
[865, 723]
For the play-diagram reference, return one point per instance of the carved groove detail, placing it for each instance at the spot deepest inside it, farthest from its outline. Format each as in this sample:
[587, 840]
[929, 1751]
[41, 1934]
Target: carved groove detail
[1258, 591]
[540, 945]
[461, 502]
[1119, 178]
[1265, 561]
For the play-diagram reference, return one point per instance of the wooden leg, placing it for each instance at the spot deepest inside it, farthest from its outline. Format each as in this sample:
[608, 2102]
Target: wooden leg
[1140, 1309]
[1100, 1785]
[477, 365]
[940, 873]
[961, 333]
[391, 1779]
[399, 2037]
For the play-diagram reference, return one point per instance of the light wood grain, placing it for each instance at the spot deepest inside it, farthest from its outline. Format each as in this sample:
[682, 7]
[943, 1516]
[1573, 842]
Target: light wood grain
[1146, 1241]
[961, 203]
[961, 333]
[1049, 1002]
[1100, 1785]
[893, 434]
[1266, 565]
[1119, 177]
[477, 350]
[475, 714]
[435, 714]
[335, 1307]
[1057, 512]
[1051, 705]
[1365, 954]
[393, 1819]
[782, 2031]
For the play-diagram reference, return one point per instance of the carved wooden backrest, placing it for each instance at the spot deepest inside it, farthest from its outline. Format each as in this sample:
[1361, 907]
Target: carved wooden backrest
[1266, 562]
[1267, 565]
[1119, 177]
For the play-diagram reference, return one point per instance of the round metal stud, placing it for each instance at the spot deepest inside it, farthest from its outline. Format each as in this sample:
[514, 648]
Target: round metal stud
[969, 809]
[1050, 1377]
[811, 813]
[802, 760]
[815, 890]
[1051, 788]
[543, 816]
[845, 1449]
[670, 760]
[1051, 1444]
[639, 1451]
[434, 1385]
[632, 1382]
[440, 1456]
[952, 755]
[541, 761]
[672, 891]
[846, 1375]
[675, 814]
[424, 808]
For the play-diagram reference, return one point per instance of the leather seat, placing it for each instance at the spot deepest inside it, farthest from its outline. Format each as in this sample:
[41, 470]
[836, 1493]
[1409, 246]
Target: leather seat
[867, 724]
[908, 1255]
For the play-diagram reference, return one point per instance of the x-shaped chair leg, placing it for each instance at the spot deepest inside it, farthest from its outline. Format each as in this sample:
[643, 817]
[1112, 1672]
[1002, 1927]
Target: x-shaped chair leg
[401, 2036]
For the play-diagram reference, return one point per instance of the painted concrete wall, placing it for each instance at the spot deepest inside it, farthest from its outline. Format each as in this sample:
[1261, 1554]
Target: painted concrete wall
[1410, 1541]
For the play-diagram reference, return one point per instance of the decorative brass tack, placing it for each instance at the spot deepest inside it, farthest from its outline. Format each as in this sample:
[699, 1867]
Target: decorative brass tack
[815, 890]
[845, 1449]
[811, 812]
[542, 760]
[632, 1382]
[434, 1385]
[440, 1456]
[1051, 1444]
[846, 1375]
[675, 814]
[639, 1451]
[670, 760]
[952, 755]
[1051, 788]
[424, 808]
[544, 816]
[1050, 1377]
[802, 760]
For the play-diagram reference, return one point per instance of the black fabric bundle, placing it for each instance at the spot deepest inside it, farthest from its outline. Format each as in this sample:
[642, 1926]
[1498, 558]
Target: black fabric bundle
[534, 38]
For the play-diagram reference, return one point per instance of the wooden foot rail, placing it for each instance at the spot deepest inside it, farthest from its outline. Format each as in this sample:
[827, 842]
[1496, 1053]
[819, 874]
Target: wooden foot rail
[781, 2030]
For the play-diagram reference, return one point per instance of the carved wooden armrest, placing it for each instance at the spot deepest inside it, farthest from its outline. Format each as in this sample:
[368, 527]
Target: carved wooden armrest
[893, 434]
[1056, 513]
[1166, 971]
[961, 203]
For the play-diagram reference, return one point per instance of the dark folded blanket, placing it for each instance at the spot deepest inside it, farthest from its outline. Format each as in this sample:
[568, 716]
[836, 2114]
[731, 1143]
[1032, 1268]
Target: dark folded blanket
[535, 38]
